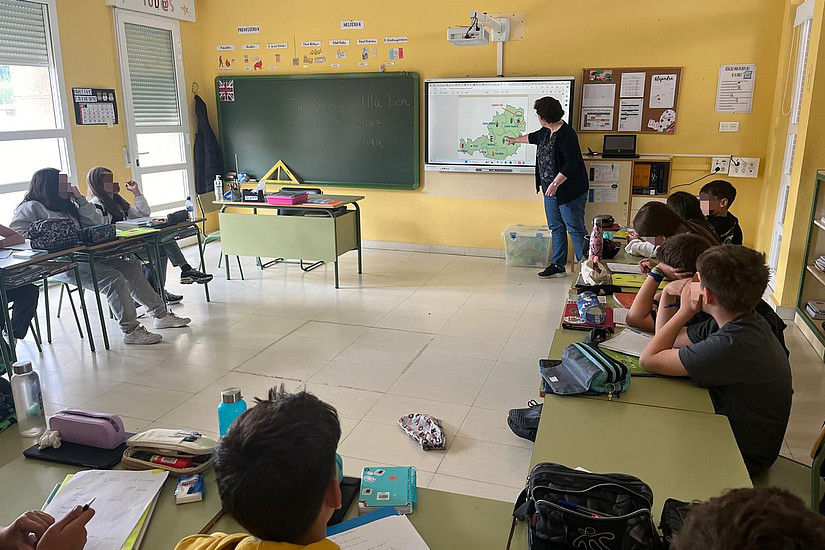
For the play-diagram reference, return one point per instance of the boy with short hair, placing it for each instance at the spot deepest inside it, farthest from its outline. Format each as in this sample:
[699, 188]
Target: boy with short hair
[755, 519]
[716, 198]
[678, 256]
[277, 476]
[742, 365]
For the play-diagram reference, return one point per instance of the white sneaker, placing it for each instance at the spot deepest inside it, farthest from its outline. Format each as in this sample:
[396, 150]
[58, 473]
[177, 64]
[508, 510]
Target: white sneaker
[141, 336]
[171, 321]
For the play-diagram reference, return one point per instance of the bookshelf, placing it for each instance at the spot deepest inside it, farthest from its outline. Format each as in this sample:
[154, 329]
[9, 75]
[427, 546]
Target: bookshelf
[812, 283]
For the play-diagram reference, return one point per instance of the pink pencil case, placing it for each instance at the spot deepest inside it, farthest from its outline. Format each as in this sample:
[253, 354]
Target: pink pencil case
[91, 428]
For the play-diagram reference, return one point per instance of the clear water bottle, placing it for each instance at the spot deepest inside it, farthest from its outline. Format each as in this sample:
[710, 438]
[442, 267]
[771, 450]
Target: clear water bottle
[218, 188]
[28, 400]
[190, 208]
[231, 407]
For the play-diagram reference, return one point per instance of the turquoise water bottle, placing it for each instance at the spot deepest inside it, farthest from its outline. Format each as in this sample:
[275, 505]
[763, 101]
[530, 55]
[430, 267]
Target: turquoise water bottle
[231, 407]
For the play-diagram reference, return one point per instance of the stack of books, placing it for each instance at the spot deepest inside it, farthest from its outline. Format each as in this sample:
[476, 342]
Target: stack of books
[815, 309]
[287, 197]
[819, 263]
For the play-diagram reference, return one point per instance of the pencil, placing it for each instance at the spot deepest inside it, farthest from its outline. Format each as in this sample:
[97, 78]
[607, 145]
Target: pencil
[212, 522]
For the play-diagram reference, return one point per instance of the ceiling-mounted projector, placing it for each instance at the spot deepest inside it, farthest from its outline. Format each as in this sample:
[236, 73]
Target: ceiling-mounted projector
[482, 30]
[462, 36]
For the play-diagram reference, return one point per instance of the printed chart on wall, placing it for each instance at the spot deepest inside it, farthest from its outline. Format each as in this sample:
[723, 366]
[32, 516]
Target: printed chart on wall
[734, 93]
[630, 100]
[604, 182]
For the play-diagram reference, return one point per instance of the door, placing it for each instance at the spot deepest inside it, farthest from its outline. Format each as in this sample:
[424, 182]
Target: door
[157, 123]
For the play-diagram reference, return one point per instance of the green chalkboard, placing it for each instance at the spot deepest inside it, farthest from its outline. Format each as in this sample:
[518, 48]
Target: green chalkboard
[353, 129]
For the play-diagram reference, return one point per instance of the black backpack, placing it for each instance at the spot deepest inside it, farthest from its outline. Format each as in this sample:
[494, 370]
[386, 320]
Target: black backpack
[567, 508]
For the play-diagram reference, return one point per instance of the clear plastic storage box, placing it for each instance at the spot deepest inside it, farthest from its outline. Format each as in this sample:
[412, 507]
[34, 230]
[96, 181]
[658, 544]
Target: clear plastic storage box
[527, 245]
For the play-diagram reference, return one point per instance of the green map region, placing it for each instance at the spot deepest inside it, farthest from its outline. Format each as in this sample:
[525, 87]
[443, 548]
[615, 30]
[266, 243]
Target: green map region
[506, 123]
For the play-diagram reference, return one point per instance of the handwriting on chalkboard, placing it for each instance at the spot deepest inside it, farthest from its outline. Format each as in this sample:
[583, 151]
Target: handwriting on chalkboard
[370, 101]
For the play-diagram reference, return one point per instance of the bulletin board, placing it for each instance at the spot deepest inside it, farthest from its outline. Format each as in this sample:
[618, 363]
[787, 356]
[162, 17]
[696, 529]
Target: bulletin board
[631, 100]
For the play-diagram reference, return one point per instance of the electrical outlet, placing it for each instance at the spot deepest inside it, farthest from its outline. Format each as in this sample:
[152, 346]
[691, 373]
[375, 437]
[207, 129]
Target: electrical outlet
[744, 167]
[719, 165]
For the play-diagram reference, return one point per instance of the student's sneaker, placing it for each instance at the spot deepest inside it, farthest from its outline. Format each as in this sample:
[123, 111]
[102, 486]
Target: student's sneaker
[553, 271]
[171, 321]
[525, 422]
[172, 299]
[194, 276]
[141, 336]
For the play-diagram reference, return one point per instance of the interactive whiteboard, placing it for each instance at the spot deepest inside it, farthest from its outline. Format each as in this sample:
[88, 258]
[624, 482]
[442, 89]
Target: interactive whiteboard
[468, 121]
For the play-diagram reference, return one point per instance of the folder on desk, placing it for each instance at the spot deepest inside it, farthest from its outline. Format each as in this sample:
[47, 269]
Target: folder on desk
[135, 231]
[627, 280]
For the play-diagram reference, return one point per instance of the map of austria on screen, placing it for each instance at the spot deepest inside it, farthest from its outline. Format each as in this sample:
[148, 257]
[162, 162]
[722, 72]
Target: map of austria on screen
[469, 121]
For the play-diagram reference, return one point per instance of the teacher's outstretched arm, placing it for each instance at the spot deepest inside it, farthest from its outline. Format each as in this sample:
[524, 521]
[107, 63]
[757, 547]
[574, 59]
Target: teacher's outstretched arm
[520, 139]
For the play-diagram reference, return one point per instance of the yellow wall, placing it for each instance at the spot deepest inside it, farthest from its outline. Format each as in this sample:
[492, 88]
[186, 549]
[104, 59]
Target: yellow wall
[471, 210]
[89, 47]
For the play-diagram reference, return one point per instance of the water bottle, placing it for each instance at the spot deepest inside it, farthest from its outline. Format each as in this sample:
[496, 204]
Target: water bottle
[28, 400]
[596, 241]
[218, 188]
[190, 208]
[231, 407]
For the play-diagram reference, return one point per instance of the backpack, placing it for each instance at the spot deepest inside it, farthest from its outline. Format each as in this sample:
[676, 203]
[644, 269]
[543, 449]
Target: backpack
[7, 415]
[567, 508]
[674, 514]
[585, 369]
[53, 234]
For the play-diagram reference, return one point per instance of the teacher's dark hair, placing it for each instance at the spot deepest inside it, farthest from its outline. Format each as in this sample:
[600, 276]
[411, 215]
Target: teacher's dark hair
[44, 188]
[549, 109]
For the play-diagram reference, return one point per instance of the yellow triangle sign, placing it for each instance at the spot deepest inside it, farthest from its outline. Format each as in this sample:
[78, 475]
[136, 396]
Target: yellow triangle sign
[280, 171]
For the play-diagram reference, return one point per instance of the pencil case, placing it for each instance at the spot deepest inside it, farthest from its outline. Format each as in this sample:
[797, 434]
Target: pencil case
[172, 444]
[91, 428]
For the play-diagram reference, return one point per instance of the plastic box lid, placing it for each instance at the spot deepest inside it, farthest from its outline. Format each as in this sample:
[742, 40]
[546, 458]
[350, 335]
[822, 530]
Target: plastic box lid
[519, 230]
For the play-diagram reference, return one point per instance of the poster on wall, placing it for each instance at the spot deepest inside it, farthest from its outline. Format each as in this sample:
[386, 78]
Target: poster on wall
[174, 9]
[94, 106]
[734, 93]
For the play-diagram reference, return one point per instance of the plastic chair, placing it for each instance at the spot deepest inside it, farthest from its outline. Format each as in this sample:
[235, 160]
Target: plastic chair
[818, 456]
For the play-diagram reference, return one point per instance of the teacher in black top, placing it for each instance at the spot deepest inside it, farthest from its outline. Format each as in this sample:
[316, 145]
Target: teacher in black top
[562, 177]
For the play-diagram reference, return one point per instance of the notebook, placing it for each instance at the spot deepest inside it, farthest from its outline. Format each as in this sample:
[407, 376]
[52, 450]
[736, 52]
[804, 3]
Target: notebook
[379, 529]
[627, 341]
[625, 299]
[388, 486]
[628, 280]
[75, 454]
[624, 268]
[630, 361]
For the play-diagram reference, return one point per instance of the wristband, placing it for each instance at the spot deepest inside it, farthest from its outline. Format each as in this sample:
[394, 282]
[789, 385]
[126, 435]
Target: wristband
[656, 274]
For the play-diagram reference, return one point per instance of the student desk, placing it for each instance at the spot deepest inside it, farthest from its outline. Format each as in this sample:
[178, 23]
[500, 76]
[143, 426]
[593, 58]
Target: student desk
[16, 272]
[671, 393]
[322, 237]
[681, 454]
[447, 521]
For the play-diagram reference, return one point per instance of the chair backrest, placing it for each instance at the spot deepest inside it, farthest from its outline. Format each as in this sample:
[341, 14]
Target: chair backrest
[310, 190]
[206, 205]
[819, 444]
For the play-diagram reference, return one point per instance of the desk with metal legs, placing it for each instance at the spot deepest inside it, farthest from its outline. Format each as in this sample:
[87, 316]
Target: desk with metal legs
[323, 237]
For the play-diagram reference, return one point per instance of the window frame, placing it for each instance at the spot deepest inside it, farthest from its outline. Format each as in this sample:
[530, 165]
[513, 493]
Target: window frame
[61, 104]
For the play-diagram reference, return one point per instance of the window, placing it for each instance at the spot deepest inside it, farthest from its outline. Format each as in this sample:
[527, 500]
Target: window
[34, 129]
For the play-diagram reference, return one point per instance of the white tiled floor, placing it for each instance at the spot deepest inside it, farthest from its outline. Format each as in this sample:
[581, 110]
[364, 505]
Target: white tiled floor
[457, 337]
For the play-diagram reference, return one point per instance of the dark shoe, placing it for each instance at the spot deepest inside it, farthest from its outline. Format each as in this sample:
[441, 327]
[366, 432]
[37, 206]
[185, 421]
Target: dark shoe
[194, 276]
[525, 422]
[553, 271]
[172, 299]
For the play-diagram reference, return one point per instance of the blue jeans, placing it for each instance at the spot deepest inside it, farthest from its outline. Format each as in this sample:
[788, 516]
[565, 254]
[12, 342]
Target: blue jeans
[564, 218]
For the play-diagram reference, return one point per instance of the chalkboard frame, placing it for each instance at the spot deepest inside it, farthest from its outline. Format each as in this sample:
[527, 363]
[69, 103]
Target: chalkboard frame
[416, 156]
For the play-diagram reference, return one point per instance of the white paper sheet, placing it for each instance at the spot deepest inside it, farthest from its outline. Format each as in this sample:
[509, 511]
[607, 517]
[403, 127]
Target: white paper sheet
[620, 315]
[628, 341]
[604, 192]
[734, 93]
[390, 533]
[624, 268]
[630, 115]
[604, 172]
[598, 95]
[121, 497]
[633, 85]
[597, 118]
[662, 91]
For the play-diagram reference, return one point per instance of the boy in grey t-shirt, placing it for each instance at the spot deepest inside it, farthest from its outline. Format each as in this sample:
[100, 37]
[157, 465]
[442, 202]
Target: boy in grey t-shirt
[742, 364]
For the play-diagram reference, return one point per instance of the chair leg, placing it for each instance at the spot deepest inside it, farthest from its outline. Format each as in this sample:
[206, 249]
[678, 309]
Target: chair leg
[36, 337]
[239, 266]
[220, 258]
[76, 318]
[60, 301]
